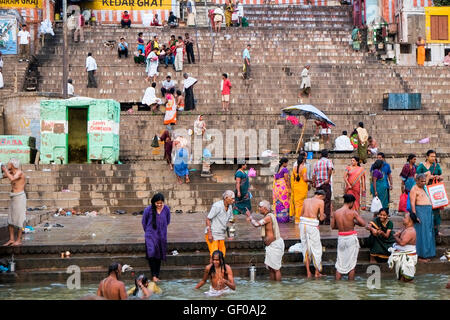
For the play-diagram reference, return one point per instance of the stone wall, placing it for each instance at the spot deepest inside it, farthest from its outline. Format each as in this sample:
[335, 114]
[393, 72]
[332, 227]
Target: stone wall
[21, 115]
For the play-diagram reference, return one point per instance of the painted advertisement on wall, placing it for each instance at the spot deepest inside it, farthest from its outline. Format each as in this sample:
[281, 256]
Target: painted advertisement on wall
[372, 11]
[8, 35]
[130, 5]
[22, 4]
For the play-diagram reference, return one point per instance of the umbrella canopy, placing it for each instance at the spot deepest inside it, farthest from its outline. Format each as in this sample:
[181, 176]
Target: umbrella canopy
[309, 112]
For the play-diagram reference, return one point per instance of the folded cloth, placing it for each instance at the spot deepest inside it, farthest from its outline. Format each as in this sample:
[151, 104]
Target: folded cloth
[215, 293]
[17, 209]
[404, 258]
[347, 252]
[310, 237]
[189, 82]
[274, 254]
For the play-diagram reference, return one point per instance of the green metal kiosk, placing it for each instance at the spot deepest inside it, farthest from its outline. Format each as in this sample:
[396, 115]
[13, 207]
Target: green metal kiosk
[79, 130]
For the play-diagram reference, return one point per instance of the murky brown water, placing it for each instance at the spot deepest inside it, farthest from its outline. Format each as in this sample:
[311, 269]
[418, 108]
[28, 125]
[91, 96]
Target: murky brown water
[425, 287]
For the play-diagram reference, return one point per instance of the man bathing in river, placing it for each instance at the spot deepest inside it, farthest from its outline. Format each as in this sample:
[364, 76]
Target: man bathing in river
[312, 212]
[345, 220]
[403, 252]
[220, 275]
[271, 237]
[18, 203]
[111, 288]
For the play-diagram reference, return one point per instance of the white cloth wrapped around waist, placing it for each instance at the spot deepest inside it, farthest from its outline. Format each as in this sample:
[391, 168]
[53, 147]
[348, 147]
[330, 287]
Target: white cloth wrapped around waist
[17, 209]
[310, 238]
[274, 254]
[347, 253]
[215, 293]
[404, 258]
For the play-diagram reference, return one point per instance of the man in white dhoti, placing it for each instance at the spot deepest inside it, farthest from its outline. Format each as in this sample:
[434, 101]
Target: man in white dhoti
[345, 220]
[312, 211]
[18, 203]
[306, 81]
[403, 253]
[152, 65]
[150, 98]
[271, 237]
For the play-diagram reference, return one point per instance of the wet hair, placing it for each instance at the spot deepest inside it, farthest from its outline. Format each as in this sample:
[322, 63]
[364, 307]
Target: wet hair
[324, 153]
[222, 262]
[410, 157]
[281, 162]
[320, 192]
[357, 160]
[143, 279]
[413, 217]
[349, 198]
[157, 197]
[113, 267]
[344, 133]
[361, 124]
[378, 165]
[430, 152]
[381, 154]
[154, 84]
[225, 75]
[300, 159]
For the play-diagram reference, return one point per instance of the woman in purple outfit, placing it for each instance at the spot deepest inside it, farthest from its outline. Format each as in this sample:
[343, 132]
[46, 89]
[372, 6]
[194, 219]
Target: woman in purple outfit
[155, 220]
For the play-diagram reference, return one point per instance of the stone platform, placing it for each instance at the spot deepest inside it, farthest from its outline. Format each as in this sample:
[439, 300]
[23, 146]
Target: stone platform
[121, 238]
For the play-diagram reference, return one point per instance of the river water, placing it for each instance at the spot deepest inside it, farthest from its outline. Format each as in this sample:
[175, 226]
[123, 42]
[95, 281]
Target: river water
[424, 287]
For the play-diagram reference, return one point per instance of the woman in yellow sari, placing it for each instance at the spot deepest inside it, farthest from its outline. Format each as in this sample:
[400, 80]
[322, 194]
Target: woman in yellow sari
[420, 51]
[299, 187]
[355, 181]
[229, 9]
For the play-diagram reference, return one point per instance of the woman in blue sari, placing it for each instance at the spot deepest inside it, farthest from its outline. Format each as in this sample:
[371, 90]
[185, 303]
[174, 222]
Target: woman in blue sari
[378, 187]
[181, 161]
[408, 174]
[242, 200]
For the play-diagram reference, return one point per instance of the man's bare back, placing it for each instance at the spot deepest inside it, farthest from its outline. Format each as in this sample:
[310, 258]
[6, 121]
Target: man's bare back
[112, 289]
[313, 208]
[345, 219]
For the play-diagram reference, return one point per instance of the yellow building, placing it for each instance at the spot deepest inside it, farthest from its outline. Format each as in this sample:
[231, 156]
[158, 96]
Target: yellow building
[437, 34]
[437, 24]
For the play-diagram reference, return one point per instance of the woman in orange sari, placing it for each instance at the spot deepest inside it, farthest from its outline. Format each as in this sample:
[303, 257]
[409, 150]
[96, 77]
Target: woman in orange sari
[355, 181]
[281, 191]
[420, 51]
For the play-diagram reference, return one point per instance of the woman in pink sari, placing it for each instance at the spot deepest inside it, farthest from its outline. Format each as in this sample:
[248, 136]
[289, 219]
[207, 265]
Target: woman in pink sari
[355, 181]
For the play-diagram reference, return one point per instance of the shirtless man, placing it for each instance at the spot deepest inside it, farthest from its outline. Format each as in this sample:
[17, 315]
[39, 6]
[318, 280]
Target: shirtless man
[270, 234]
[345, 219]
[312, 212]
[403, 253]
[18, 203]
[219, 273]
[421, 207]
[111, 288]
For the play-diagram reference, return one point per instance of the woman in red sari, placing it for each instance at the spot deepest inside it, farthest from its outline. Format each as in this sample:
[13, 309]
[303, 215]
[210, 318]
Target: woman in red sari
[355, 181]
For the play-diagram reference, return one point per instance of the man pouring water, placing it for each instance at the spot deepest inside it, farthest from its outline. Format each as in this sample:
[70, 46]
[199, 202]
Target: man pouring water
[18, 203]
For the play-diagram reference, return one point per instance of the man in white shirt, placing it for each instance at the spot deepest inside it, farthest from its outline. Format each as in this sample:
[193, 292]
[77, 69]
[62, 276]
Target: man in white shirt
[91, 67]
[24, 44]
[342, 143]
[240, 8]
[216, 222]
[168, 85]
[70, 88]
